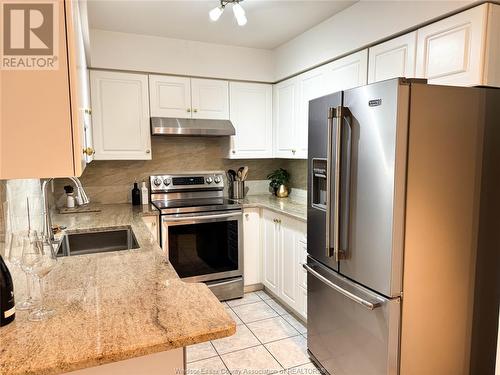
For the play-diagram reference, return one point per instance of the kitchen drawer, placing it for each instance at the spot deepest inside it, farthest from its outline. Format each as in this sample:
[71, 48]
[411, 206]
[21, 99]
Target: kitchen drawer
[346, 336]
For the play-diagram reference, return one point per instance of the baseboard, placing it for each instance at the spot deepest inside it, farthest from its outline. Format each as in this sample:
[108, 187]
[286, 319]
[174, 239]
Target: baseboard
[253, 287]
[285, 306]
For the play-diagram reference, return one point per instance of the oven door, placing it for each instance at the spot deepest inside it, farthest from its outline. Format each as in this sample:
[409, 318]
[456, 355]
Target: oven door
[204, 246]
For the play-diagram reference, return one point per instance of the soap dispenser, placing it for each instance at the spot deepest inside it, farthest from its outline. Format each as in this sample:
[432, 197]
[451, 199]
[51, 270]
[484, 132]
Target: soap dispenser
[144, 193]
[136, 195]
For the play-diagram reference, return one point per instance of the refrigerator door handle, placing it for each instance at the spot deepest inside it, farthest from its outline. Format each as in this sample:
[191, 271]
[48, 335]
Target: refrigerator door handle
[329, 245]
[339, 114]
[371, 305]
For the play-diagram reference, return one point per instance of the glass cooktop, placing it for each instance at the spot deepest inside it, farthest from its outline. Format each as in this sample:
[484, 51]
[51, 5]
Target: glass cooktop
[195, 205]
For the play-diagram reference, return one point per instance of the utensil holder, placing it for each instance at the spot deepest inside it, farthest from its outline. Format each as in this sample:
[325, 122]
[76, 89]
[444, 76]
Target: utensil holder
[237, 190]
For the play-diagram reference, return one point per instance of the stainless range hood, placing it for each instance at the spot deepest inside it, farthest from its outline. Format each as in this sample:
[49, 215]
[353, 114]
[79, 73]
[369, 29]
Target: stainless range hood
[191, 127]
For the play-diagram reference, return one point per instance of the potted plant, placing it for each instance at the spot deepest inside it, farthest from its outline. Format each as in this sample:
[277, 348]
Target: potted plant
[279, 180]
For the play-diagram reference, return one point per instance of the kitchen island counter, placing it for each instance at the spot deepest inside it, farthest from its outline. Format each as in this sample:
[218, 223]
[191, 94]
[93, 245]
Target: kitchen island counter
[110, 306]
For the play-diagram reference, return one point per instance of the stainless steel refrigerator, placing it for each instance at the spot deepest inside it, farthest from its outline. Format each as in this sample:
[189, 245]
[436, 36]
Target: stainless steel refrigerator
[402, 229]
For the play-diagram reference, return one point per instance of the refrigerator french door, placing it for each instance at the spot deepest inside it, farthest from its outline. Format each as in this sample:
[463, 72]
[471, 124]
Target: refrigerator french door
[357, 161]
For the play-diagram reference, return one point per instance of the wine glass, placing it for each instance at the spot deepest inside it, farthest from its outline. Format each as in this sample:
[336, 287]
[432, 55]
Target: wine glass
[16, 241]
[40, 258]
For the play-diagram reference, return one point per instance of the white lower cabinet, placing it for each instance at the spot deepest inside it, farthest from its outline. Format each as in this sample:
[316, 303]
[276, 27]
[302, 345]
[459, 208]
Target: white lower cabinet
[283, 252]
[302, 278]
[288, 265]
[302, 303]
[270, 249]
[251, 246]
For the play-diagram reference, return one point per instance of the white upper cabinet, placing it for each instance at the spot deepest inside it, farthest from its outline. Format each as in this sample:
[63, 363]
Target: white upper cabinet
[312, 85]
[347, 72]
[170, 96]
[394, 58]
[457, 50]
[210, 99]
[251, 114]
[291, 100]
[184, 97]
[120, 116]
[285, 116]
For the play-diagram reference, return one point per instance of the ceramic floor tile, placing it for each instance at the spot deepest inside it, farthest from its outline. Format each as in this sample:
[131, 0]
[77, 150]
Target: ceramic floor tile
[298, 325]
[263, 295]
[276, 307]
[255, 360]
[290, 352]
[210, 366]
[307, 369]
[254, 311]
[200, 351]
[242, 339]
[233, 315]
[272, 329]
[247, 298]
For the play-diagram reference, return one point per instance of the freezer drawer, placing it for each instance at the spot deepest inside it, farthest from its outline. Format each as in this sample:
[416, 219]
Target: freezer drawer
[351, 330]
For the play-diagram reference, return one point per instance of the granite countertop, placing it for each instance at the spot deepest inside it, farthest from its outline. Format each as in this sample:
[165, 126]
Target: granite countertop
[111, 306]
[293, 208]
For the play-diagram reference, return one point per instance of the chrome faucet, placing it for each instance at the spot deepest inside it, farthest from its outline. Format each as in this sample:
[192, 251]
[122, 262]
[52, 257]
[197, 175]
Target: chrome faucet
[81, 200]
[81, 197]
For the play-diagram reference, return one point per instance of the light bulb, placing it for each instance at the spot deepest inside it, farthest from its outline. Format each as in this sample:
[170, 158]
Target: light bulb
[215, 13]
[241, 20]
[239, 14]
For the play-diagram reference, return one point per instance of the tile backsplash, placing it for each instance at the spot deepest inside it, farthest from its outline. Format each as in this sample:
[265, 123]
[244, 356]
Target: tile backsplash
[111, 181]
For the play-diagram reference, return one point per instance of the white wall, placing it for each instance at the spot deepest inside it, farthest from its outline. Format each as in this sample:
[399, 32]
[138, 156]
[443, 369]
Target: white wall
[357, 26]
[362, 24]
[124, 51]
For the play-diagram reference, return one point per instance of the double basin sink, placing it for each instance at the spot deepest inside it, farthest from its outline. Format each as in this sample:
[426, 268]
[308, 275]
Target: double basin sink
[97, 241]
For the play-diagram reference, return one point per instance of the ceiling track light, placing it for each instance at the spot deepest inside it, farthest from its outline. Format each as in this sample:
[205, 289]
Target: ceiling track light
[238, 11]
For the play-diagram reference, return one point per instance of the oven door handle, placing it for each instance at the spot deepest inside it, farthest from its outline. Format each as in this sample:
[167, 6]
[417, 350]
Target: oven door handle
[201, 217]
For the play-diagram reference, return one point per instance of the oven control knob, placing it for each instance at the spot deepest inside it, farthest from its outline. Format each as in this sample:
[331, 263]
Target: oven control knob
[167, 181]
[217, 179]
[157, 181]
[209, 180]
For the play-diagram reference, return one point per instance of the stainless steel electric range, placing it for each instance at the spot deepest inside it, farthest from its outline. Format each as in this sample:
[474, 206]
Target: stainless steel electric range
[201, 231]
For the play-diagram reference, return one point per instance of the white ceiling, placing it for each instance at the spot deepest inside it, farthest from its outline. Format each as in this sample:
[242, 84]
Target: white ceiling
[270, 23]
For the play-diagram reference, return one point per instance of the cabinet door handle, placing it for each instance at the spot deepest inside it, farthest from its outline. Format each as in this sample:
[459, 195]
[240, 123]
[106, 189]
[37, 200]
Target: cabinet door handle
[89, 151]
[188, 110]
[148, 151]
[195, 110]
[234, 151]
[87, 111]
